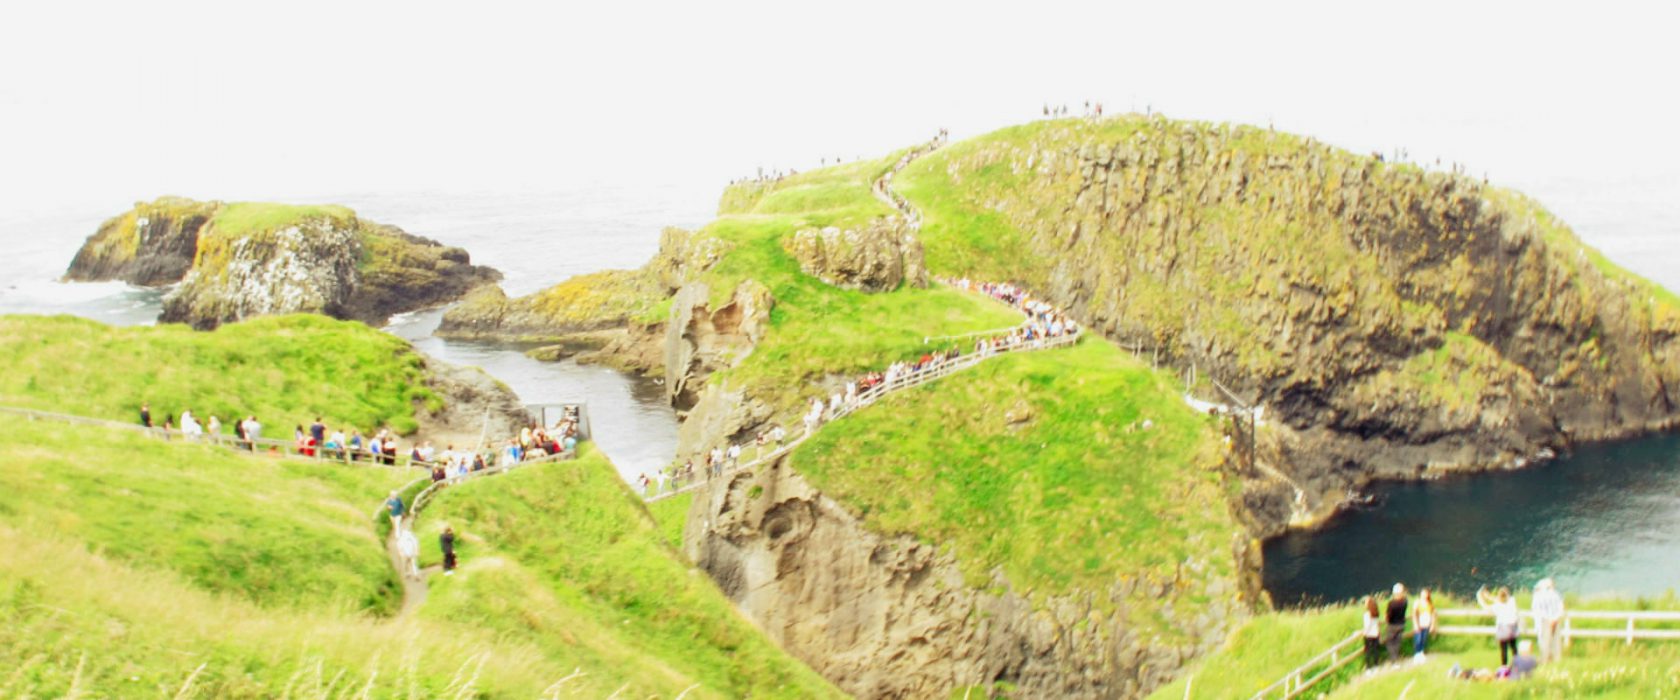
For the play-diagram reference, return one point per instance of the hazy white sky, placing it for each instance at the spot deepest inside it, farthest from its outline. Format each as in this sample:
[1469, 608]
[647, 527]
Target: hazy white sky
[245, 100]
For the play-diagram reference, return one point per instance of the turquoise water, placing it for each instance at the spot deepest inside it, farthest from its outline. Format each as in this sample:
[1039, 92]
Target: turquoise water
[1603, 520]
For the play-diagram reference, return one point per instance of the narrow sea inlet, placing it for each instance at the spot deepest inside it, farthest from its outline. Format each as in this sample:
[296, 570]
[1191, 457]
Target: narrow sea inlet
[1602, 520]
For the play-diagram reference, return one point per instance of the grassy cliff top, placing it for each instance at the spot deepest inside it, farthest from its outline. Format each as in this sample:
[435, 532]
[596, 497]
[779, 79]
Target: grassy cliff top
[565, 558]
[239, 219]
[142, 567]
[275, 532]
[284, 369]
[819, 330]
[1068, 470]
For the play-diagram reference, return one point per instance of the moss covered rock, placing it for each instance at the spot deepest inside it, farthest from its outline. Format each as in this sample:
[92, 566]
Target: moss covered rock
[1392, 320]
[244, 259]
[150, 245]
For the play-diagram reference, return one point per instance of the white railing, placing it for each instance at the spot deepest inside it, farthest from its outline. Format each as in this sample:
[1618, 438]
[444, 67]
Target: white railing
[1301, 678]
[1627, 627]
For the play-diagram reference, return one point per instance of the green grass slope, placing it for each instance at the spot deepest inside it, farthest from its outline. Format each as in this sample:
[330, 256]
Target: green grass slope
[137, 567]
[818, 330]
[1067, 469]
[275, 532]
[564, 557]
[286, 370]
[1209, 226]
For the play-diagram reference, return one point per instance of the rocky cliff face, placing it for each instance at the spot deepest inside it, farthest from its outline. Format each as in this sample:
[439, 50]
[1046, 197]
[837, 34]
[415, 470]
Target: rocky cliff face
[234, 261]
[1390, 320]
[475, 407]
[875, 258]
[891, 617]
[151, 245]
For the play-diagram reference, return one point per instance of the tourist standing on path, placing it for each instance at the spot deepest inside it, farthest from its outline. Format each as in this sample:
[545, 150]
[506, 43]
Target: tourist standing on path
[394, 504]
[1548, 620]
[318, 430]
[146, 414]
[1506, 623]
[253, 432]
[1423, 621]
[1372, 629]
[408, 548]
[1396, 622]
[446, 542]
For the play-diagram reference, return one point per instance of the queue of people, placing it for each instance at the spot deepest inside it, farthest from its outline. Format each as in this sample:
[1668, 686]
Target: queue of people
[1383, 627]
[1043, 321]
[381, 447]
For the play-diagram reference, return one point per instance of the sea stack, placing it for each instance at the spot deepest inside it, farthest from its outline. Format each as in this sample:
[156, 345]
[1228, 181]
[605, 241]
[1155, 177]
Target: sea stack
[243, 259]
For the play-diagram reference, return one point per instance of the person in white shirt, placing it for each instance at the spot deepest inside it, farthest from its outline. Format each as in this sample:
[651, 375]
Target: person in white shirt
[190, 426]
[408, 548]
[1371, 628]
[1506, 622]
[1548, 620]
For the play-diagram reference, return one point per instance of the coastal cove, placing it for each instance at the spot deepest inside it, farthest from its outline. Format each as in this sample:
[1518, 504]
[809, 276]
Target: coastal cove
[1602, 520]
[535, 239]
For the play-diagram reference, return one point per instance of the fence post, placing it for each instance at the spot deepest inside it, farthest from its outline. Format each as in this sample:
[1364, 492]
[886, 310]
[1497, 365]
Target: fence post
[1629, 630]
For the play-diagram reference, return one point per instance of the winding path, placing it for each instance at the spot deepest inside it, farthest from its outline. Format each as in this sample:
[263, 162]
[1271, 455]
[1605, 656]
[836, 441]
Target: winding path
[882, 189]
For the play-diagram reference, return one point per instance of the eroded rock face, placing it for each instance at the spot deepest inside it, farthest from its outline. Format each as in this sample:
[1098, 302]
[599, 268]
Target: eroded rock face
[308, 267]
[151, 245]
[700, 340]
[318, 260]
[877, 258]
[889, 617]
[1392, 321]
[475, 406]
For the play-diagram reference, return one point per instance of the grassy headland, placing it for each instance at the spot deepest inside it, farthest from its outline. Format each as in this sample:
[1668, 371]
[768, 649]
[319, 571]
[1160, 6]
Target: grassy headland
[818, 330]
[286, 370]
[138, 566]
[1069, 470]
[563, 557]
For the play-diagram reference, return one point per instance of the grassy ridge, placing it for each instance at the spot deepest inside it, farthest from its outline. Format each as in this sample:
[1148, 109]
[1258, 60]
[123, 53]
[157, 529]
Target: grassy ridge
[562, 556]
[241, 219]
[141, 567]
[274, 532]
[1068, 469]
[818, 330]
[286, 370]
[1184, 256]
[137, 567]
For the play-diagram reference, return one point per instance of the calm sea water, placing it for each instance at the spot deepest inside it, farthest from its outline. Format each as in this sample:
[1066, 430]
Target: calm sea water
[1604, 520]
[535, 239]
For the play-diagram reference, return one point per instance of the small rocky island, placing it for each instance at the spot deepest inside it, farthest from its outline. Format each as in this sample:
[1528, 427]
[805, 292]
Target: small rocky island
[235, 260]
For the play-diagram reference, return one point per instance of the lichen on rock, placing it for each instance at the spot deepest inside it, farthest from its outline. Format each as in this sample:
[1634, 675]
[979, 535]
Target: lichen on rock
[243, 259]
[875, 258]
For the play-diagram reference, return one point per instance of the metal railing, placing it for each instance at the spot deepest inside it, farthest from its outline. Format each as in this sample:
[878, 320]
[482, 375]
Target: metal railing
[689, 482]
